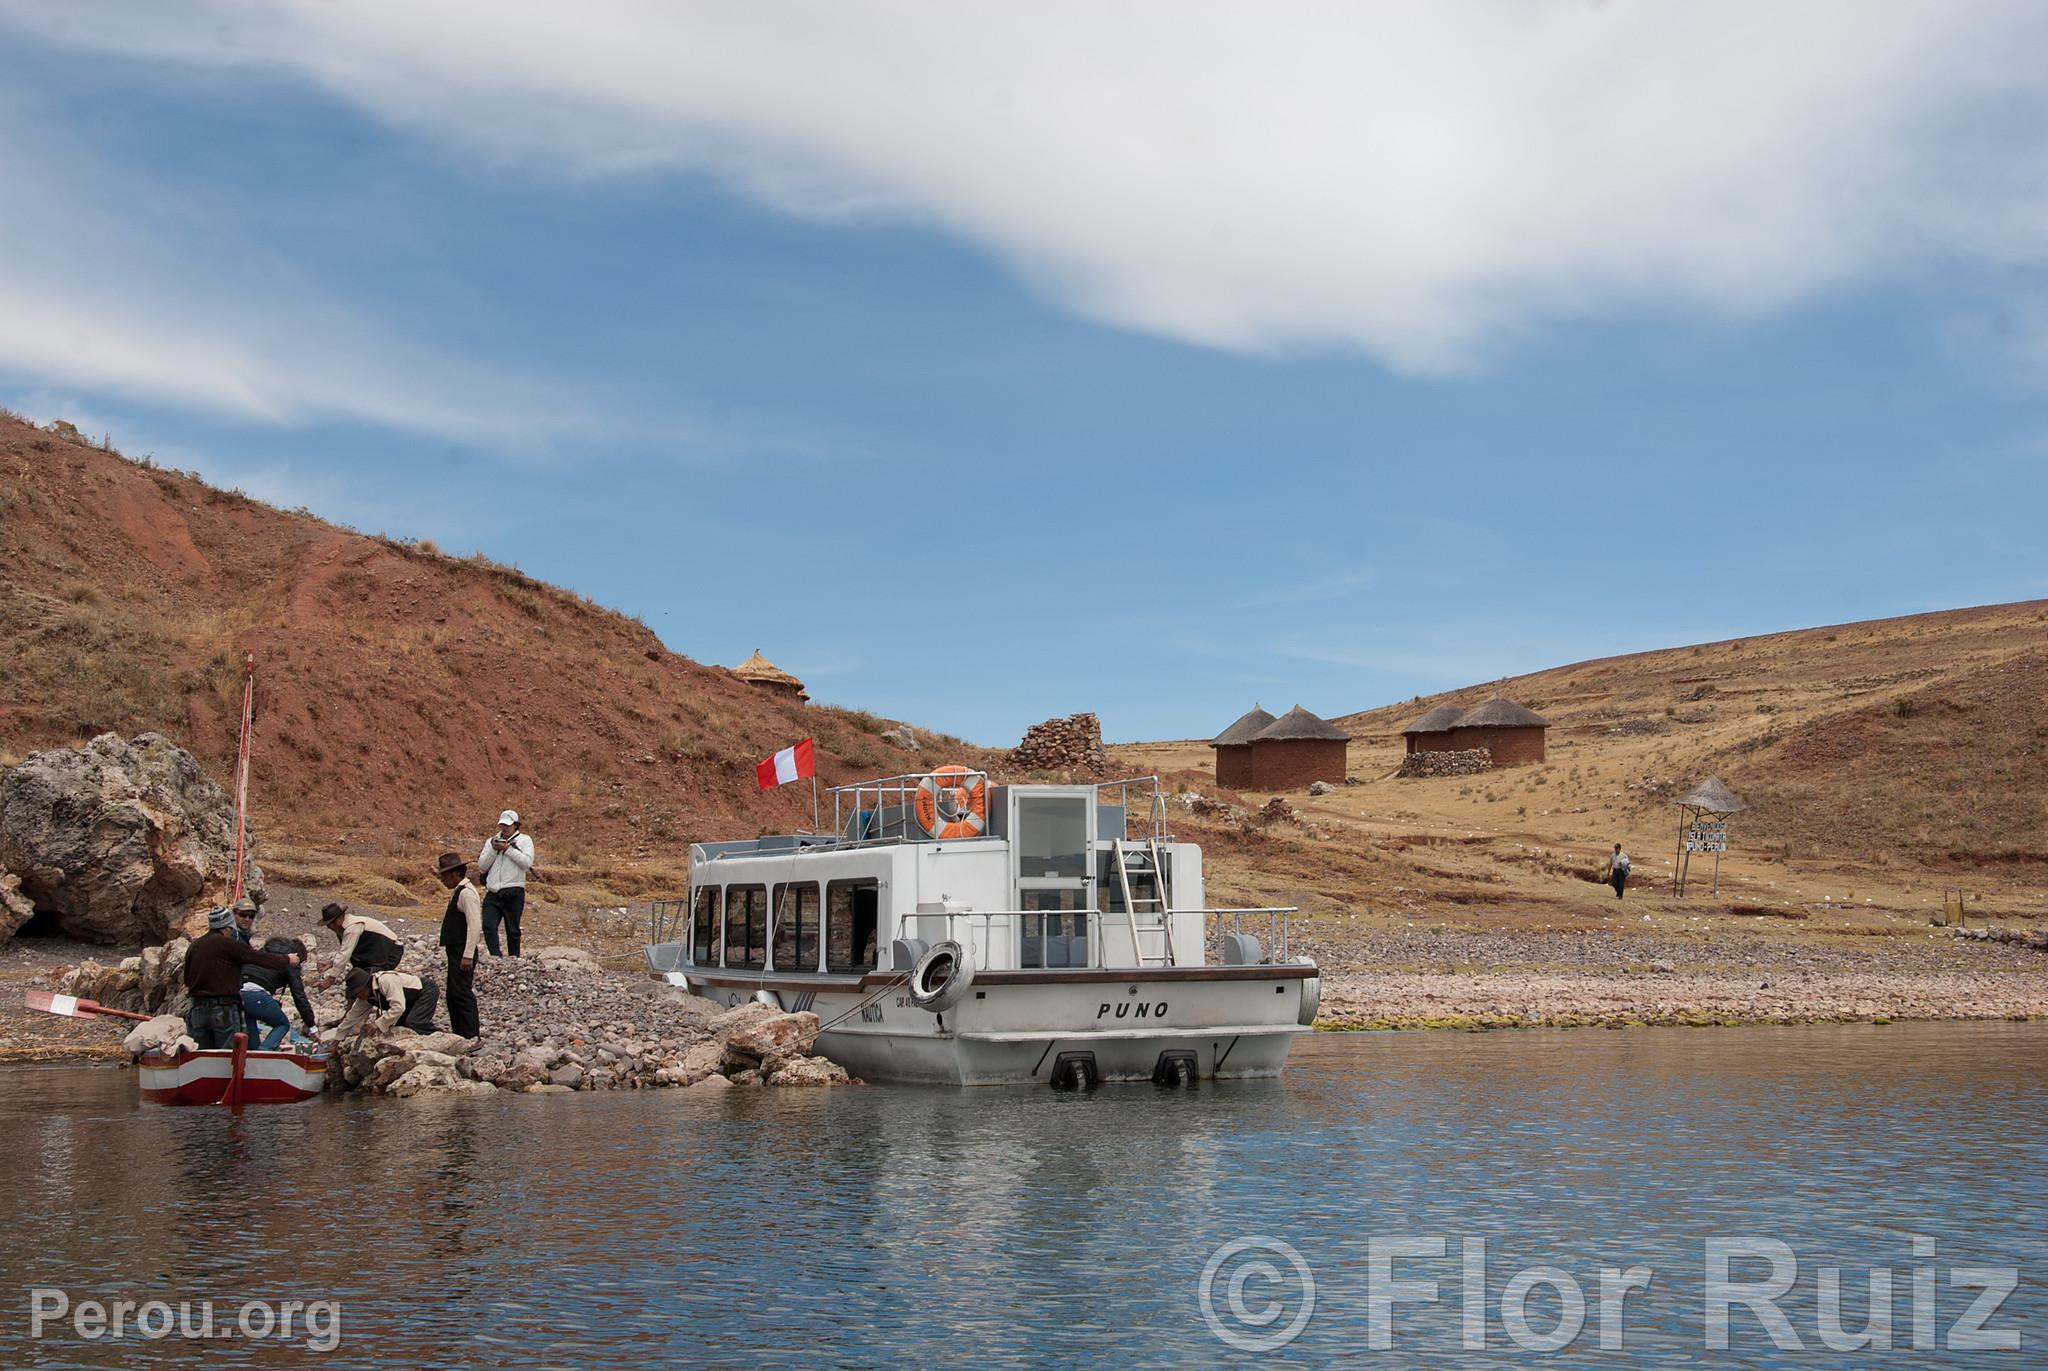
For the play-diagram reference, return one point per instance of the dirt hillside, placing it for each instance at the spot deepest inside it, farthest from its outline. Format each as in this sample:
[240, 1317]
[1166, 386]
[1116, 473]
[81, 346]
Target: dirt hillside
[404, 696]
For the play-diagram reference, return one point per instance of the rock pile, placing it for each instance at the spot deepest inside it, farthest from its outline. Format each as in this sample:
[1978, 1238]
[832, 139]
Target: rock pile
[1071, 744]
[1469, 762]
[2036, 940]
[554, 1021]
[121, 840]
[901, 738]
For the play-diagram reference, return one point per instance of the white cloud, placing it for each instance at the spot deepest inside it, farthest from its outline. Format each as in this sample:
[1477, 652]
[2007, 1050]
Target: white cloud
[1418, 181]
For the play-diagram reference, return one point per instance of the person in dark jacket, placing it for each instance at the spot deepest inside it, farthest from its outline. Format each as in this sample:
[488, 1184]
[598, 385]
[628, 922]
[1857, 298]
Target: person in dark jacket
[365, 942]
[462, 928]
[213, 977]
[261, 987]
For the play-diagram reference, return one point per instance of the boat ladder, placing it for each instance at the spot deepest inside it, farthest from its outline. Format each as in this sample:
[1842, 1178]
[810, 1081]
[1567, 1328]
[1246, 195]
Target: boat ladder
[1158, 905]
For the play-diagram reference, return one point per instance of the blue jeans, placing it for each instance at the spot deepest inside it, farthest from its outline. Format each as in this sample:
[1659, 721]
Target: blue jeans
[261, 1007]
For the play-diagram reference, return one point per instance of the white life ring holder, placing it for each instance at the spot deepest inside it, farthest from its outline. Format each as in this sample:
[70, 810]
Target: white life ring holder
[960, 790]
[941, 978]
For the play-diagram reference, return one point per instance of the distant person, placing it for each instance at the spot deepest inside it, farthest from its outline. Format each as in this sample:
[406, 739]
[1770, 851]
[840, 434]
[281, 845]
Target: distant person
[1617, 871]
[365, 942]
[213, 977]
[461, 931]
[379, 1001]
[504, 862]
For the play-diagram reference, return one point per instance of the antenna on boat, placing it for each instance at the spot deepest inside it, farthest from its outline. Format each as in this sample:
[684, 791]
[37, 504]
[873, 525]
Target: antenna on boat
[242, 773]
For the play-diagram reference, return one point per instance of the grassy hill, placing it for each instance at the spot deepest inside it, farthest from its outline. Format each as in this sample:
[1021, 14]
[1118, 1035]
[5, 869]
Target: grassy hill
[404, 696]
[1884, 761]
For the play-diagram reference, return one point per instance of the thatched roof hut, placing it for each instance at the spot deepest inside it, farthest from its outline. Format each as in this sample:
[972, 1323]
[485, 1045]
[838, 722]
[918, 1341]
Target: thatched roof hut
[1234, 748]
[1501, 712]
[1295, 750]
[1244, 730]
[1511, 734]
[1430, 732]
[762, 674]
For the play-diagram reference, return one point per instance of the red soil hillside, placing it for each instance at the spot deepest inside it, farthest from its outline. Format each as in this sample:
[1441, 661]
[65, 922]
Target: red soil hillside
[404, 696]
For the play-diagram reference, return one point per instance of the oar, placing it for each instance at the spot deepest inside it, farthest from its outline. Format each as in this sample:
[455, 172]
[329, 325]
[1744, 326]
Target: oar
[71, 1007]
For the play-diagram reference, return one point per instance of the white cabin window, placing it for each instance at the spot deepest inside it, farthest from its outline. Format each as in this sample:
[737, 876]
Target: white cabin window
[796, 927]
[705, 934]
[851, 927]
[1052, 836]
[746, 926]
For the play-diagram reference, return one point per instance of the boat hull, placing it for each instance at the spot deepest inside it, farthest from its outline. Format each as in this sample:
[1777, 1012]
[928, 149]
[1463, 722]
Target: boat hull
[203, 1077]
[1017, 1028]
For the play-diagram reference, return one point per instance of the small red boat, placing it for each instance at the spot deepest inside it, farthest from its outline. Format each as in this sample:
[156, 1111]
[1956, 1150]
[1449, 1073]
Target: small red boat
[232, 1075]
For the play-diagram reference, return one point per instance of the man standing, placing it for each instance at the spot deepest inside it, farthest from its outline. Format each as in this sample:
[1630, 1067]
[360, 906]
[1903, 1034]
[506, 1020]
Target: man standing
[213, 977]
[461, 929]
[1617, 871]
[504, 862]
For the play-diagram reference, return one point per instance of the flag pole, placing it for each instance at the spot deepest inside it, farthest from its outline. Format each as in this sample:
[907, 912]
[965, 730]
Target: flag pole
[814, 802]
[242, 772]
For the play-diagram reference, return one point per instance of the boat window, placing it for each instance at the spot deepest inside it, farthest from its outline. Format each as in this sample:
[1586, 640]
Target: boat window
[850, 925]
[1055, 931]
[1052, 836]
[746, 925]
[796, 928]
[1109, 895]
[704, 939]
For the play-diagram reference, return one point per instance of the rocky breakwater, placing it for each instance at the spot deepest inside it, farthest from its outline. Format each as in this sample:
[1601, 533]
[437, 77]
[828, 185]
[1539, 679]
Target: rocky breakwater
[121, 840]
[1072, 744]
[1468, 762]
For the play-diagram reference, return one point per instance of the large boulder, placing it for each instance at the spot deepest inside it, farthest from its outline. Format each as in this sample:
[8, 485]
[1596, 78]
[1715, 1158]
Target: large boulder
[774, 1039]
[16, 908]
[122, 840]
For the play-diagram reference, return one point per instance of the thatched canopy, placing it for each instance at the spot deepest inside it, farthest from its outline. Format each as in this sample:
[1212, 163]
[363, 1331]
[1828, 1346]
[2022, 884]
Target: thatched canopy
[1298, 723]
[1713, 797]
[1437, 720]
[758, 670]
[1243, 730]
[1501, 712]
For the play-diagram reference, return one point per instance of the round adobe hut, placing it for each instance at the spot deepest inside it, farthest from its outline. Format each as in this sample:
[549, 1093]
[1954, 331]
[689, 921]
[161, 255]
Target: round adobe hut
[1234, 748]
[1431, 732]
[1512, 734]
[762, 674]
[1296, 750]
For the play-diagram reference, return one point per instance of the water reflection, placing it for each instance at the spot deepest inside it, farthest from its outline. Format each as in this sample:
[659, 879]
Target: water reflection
[1014, 1227]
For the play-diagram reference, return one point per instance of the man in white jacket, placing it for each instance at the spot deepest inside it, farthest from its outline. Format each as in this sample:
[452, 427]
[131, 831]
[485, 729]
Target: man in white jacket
[504, 862]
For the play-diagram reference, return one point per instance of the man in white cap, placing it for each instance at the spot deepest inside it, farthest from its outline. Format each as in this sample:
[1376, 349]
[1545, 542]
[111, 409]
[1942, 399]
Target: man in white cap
[504, 862]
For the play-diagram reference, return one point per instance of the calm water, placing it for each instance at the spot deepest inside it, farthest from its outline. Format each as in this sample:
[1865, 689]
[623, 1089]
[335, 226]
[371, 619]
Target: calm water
[901, 1226]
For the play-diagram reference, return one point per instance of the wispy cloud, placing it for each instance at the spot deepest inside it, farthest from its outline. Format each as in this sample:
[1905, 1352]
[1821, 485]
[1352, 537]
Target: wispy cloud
[1420, 182]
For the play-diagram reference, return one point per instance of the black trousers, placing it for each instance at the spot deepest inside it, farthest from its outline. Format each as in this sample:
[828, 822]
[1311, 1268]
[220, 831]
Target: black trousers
[507, 904]
[461, 996]
[1619, 882]
[214, 1023]
[419, 1007]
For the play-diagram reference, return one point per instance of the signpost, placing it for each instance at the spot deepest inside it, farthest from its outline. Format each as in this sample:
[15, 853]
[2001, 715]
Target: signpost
[1703, 827]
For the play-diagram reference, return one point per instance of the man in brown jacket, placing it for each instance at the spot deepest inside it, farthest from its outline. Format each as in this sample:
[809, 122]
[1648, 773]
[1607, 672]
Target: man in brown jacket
[213, 977]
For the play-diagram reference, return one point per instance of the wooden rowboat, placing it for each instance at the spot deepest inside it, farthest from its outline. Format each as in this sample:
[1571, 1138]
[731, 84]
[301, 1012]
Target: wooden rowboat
[232, 1075]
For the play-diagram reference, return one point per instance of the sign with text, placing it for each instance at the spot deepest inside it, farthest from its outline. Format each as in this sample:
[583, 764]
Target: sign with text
[1706, 837]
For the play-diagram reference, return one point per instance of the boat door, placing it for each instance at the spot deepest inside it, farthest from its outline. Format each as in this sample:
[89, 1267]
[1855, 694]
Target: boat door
[1052, 829]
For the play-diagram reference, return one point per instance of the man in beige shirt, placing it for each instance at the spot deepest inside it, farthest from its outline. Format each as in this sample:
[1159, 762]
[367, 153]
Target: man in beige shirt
[462, 929]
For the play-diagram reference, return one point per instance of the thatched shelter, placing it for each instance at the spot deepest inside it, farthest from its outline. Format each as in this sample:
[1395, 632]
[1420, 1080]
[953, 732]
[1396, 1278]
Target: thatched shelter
[1713, 797]
[1512, 734]
[762, 674]
[1234, 748]
[1431, 732]
[1296, 750]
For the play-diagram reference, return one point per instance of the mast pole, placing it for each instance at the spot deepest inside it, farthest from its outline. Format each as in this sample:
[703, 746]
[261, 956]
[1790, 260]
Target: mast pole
[242, 772]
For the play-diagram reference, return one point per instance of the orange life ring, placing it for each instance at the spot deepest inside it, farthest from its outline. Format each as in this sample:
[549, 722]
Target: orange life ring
[953, 811]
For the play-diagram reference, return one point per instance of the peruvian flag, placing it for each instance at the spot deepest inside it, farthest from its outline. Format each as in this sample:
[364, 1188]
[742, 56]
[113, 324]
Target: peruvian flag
[790, 764]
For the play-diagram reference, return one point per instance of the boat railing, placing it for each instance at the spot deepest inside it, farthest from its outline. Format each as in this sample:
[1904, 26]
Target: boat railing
[1140, 798]
[666, 921]
[1043, 939]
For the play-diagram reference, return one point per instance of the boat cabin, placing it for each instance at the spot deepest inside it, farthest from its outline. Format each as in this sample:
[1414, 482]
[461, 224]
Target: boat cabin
[1022, 876]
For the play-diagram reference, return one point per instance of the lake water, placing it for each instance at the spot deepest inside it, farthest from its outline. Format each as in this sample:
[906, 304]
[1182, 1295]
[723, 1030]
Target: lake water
[911, 1226]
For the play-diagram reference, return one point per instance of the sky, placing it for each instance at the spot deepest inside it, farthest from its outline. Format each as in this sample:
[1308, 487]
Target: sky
[982, 364]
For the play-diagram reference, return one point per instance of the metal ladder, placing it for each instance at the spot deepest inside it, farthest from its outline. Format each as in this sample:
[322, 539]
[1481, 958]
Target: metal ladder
[1161, 904]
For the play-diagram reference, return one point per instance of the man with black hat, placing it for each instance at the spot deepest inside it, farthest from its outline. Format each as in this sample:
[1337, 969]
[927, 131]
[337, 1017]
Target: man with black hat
[462, 928]
[365, 942]
[213, 977]
[407, 1001]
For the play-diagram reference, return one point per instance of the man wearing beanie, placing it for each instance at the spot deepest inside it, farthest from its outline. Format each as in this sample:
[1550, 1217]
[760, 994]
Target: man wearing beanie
[213, 977]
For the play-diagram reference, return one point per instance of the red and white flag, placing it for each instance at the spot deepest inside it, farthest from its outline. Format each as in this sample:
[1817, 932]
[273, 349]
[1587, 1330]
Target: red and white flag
[790, 764]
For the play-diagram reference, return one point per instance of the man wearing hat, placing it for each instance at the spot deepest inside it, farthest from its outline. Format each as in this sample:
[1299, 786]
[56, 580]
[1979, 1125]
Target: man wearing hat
[504, 862]
[406, 1001]
[213, 977]
[462, 925]
[365, 942]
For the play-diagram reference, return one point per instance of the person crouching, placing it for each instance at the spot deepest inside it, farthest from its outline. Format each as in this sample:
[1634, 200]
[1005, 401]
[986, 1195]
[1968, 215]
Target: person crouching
[379, 1001]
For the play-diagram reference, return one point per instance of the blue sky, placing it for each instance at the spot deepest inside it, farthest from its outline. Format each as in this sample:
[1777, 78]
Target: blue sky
[978, 373]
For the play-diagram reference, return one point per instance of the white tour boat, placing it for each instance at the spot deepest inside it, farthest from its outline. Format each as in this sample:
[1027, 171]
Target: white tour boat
[950, 930]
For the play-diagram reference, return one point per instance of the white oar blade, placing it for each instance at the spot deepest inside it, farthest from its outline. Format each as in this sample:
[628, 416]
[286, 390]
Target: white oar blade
[49, 1003]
